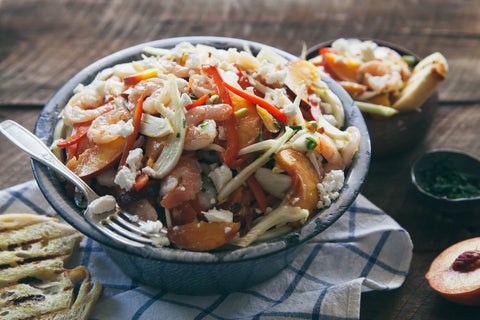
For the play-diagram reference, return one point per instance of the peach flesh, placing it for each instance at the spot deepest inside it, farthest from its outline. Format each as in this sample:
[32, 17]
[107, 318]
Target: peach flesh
[457, 284]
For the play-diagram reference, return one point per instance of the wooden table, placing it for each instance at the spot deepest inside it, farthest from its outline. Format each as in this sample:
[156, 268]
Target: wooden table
[44, 43]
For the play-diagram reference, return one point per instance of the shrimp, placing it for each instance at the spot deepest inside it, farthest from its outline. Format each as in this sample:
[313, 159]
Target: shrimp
[351, 147]
[85, 106]
[170, 66]
[153, 90]
[327, 148]
[106, 127]
[182, 183]
[202, 85]
[201, 126]
[380, 77]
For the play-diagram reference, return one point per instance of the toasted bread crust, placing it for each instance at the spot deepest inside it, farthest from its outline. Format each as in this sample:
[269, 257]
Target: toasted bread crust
[33, 281]
[425, 78]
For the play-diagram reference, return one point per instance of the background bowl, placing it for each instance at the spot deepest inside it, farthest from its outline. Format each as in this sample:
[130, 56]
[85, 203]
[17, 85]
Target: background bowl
[457, 161]
[198, 272]
[401, 131]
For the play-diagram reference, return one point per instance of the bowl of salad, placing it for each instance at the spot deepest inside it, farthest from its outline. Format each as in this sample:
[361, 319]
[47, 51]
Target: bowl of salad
[231, 152]
[394, 88]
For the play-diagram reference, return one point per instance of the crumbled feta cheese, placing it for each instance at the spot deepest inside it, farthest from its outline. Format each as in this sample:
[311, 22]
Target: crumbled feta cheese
[134, 159]
[227, 230]
[329, 188]
[218, 215]
[102, 205]
[185, 99]
[125, 178]
[122, 128]
[220, 176]
[149, 226]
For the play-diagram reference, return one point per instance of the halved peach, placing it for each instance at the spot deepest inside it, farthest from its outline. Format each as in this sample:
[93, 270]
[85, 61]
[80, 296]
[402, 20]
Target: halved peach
[96, 159]
[304, 192]
[202, 236]
[455, 273]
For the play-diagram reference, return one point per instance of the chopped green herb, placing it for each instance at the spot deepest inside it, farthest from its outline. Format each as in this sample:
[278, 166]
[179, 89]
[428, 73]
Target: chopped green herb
[203, 125]
[311, 143]
[184, 122]
[410, 60]
[178, 134]
[193, 96]
[260, 135]
[296, 127]
[362, 75]
[442, 180]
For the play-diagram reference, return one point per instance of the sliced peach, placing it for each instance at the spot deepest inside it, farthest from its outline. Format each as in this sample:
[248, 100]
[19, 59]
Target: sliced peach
[202, 236]
[343, 68]
[455, 273]
[136, 78]
[96, 159]
[381, 99]
[248, 121]
[354, 89]
[304, 192]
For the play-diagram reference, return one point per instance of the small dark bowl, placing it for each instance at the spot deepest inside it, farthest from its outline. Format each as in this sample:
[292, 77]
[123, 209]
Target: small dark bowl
[198, 272]
[458, 161]
[399, 132]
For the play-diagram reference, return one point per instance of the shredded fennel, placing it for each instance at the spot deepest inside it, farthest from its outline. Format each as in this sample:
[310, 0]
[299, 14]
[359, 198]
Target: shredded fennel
[278, 217]
[243, 175]
[172, 151]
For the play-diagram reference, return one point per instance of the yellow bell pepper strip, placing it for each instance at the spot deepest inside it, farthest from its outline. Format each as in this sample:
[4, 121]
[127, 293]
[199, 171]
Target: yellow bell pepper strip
[137, 117]
[136, 78]
[80, 132]
[258, 101]
[230, 124]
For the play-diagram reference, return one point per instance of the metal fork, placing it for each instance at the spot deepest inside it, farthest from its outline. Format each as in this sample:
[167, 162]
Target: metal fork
[117, 224]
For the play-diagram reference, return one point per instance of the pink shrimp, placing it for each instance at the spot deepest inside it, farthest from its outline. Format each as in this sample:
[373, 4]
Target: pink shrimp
[201, 126]
[380, 76]
[326, 147]
[105, 128]
[152, 89]
[85, 106]
[182, 183]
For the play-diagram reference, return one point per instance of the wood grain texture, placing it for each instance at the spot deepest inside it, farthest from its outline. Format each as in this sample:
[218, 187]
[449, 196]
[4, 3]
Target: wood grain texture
[44, 43]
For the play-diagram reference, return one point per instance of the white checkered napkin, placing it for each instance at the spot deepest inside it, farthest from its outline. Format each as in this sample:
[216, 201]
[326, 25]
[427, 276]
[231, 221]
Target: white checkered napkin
[364, 250]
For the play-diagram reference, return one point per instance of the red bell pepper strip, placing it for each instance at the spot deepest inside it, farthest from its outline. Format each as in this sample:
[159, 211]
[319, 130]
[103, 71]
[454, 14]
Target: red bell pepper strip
[137, 117]
[80, 132]
[200, 101]
[258, 193]
[259, 101]
[230, 124]
[140, 181]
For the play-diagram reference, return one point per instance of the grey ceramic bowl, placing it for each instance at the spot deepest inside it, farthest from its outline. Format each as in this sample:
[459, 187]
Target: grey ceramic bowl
[198, 272]
[432, 161]
[402, 131]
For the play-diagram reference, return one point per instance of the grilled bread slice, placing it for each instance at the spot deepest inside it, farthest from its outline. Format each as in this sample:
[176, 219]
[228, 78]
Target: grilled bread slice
[51, 297]
[425, 78]
[33, 281]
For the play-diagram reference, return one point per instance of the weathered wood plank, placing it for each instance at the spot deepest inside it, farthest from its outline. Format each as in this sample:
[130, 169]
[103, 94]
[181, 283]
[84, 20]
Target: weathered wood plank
[44, 43]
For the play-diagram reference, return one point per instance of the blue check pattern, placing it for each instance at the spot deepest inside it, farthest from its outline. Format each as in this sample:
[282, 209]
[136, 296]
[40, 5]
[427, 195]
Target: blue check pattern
[364, 250]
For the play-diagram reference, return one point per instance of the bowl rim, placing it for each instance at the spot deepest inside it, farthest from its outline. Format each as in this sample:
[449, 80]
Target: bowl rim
[313, 50]
[434, 153]
[50, 186]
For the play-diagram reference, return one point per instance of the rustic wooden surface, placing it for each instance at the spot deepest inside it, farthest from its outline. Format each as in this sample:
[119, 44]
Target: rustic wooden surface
[44, 43]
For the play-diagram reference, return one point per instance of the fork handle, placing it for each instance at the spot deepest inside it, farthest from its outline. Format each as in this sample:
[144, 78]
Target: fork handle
[31, 144]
